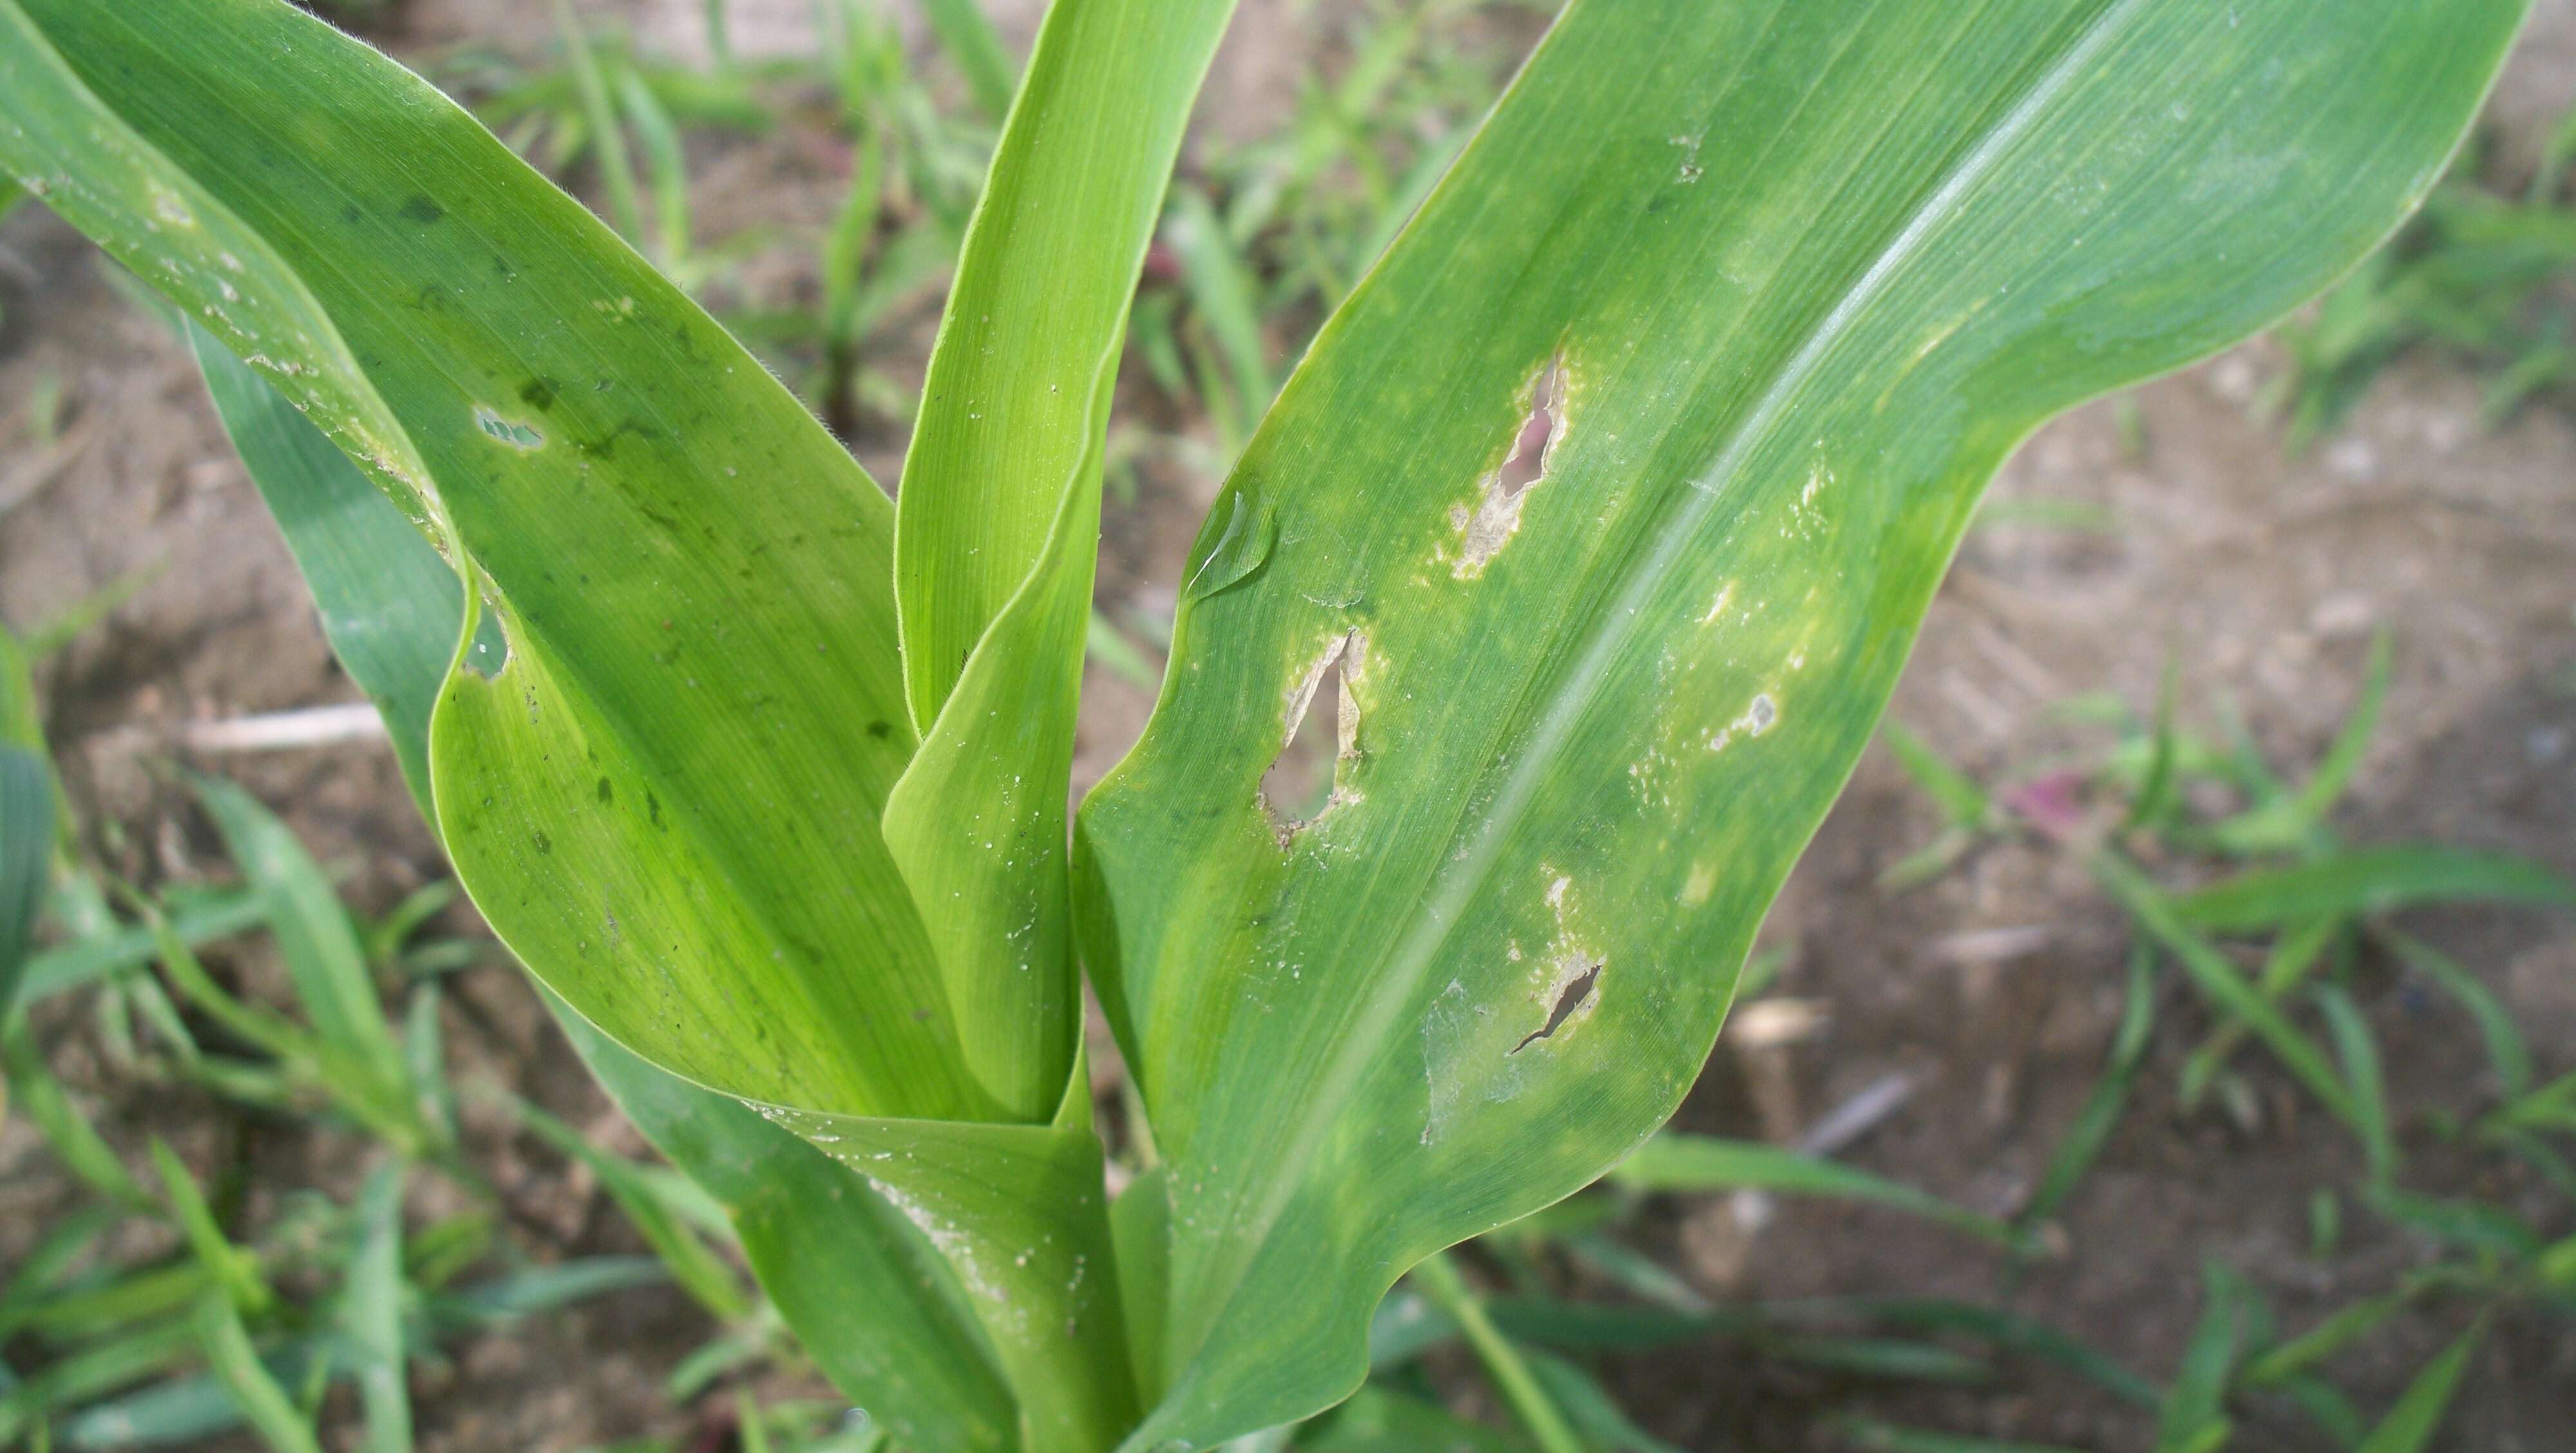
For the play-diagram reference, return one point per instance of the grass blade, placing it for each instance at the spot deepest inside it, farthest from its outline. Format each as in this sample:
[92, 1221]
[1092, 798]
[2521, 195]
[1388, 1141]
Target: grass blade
[89, 960]
[1869, 1435]
[1376, 1420]
[36, 1094]
[1223, 295]
[666, 163]
[2217, 979]
[235, 1271]
[1961, 800]
[968, 36]
[314, 935]
[263, 1404]
[2358, 1052]
[2410, 1425]
[2288, 822]
[616, 169]
[1674, 1162]
[2506, 1049]
[2372, 880]
[506, 1299]
[2100, 1116]
[61, 1248]
[2296, 954]
[371, 1309]
[95, 1371]
[1590, 1407]
[26, 858]
[2194, 1416]
[1503, 1363]
[2280, 1364]
[2009, 1332]
[698, 1270]
[180, 1412]
[1111, 648]
[2155, 797]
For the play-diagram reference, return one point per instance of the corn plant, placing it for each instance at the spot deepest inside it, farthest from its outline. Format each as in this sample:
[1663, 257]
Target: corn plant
[1602, 511]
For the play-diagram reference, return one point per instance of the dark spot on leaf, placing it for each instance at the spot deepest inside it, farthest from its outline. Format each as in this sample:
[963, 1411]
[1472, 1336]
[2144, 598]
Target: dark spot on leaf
[352, 216]
[605, 447]
[538, 393]
[1566, 1003]
[422, 210]
[544, 843]
[880, 730]
[607, 794]
[653, 808]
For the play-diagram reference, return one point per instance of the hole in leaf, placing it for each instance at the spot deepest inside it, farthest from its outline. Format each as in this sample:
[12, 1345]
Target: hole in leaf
[1498, 509]
[1573, 996]
[1322, 728]
[508, 431]
[1538, 430]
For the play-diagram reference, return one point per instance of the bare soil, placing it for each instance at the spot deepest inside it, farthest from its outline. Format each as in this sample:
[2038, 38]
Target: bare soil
[1992, 991]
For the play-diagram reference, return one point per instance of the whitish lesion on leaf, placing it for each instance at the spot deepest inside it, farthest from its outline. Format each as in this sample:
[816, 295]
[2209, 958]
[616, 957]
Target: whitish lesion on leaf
[1760, 715]
[1290, 804]
[1699, 885]
[1496, 516]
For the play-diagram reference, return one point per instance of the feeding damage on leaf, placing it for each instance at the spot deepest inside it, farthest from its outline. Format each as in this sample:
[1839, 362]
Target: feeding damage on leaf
[1576, 993]
[1297, 791]
[1496, 517]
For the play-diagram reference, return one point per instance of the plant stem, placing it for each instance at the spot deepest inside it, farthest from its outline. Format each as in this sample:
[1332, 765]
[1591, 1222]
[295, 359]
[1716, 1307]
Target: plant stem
[1439, 1280]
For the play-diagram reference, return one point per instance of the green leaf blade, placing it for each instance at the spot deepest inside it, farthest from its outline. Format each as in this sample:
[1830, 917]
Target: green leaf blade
[721, 656]
[874, 1305]
[1808, 283]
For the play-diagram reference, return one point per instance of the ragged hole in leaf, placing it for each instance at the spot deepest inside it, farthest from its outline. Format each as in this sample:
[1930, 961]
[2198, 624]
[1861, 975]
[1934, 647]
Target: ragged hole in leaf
[1573, 996]
[1497, 514]
[1299, 785]
[508, 431]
